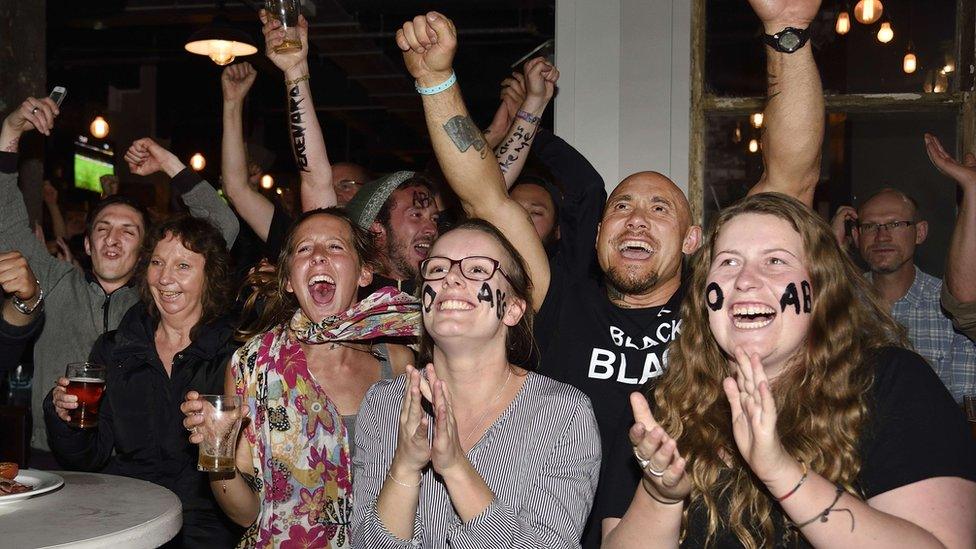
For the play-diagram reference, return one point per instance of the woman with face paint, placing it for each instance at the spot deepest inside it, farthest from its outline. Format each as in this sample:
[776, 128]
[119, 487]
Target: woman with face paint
[302, 378]
[475, 450]
[790, 414]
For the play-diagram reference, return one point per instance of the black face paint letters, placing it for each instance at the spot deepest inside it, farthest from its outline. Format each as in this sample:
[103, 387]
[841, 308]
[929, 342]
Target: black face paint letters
[807, 296]
[791, 297]
[502, 303]
[714, 296]
[485, 295]
[429, 296]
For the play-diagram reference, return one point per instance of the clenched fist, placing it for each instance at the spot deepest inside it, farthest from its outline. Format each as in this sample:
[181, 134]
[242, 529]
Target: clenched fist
[429, 43]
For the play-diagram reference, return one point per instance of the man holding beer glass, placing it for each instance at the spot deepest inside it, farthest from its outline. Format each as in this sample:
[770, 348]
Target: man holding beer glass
[176, 340]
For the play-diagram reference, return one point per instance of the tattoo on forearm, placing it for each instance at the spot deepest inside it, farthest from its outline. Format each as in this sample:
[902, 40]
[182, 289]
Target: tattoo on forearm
[465, 135]
[295, 115]
[520, 140]
[11, 147]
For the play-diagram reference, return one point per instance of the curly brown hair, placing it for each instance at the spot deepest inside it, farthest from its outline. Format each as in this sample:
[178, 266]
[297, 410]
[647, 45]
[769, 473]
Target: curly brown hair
[821, 397]
[198, 236]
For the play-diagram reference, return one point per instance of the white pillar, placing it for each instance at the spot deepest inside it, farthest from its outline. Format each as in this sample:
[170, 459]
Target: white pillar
[624, 93]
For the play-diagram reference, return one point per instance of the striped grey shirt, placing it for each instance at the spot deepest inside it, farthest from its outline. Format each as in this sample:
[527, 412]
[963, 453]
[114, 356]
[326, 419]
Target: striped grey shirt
[541, 459]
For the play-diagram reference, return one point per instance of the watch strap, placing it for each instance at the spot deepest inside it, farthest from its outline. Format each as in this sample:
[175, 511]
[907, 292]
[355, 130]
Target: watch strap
[773, 40]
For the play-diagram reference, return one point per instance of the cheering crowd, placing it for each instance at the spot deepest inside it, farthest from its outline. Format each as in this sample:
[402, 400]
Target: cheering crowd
[470, 357]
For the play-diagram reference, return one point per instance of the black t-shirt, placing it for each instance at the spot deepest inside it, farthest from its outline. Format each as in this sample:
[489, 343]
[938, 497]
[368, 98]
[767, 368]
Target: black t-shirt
[603, 350]
[915, 431]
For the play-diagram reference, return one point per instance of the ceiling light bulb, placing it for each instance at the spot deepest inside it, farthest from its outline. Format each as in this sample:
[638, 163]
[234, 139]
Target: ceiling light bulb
[220, 52]
[843, 25]
[885, 33]
[910, 63]
[99, 127]
[756, 120]
[279, 191]
[198, 162]
[868, 11]
[737, 134]
[753, 145]
[267, 181]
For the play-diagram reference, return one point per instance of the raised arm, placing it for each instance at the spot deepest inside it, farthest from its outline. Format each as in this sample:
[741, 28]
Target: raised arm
[540, 79]
[512, 96]
[253, 207]
[307, 142]
[146, 157]
[794, 115]
[961, 261]
[428, 43]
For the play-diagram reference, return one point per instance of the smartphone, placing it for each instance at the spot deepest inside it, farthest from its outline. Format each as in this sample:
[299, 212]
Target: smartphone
[57, 95]
[547, 49]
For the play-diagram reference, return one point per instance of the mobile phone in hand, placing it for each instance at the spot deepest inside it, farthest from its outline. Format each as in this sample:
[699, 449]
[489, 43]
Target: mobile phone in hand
[57, 95]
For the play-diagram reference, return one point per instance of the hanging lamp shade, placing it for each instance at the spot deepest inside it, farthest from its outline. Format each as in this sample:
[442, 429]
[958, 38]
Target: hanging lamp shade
[221, 41]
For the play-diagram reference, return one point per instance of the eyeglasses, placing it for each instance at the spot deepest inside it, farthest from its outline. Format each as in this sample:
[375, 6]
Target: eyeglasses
[475, 267]
[871, 228]
[347, 184]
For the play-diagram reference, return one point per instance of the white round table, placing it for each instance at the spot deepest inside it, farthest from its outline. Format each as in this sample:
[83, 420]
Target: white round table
[93, 510]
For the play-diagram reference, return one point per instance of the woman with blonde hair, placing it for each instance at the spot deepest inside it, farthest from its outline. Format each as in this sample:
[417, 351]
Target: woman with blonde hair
[790, 415]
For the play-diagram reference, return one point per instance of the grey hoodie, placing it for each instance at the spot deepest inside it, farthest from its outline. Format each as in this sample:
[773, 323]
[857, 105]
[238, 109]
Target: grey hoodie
[77, 308]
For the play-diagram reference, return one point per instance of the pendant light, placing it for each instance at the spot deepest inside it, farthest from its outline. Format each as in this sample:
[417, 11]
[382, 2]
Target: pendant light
[220, 40]
[868, 11]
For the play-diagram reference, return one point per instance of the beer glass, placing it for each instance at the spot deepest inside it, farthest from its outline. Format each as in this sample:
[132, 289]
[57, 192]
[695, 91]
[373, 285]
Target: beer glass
[287, 12]
[87, 382]
[221, 423]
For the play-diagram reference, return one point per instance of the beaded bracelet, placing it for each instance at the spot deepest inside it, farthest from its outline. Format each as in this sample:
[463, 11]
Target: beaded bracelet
[296, 81]
[433, 90]
[404, 484]
[798, 484]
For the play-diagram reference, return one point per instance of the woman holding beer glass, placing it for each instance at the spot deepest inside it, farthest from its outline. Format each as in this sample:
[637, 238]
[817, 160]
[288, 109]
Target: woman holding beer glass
[174, 341]
[303, 377]
[789, 414]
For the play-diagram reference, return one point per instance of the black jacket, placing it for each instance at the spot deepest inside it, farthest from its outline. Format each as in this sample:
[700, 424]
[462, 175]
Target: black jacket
[140, 431]
[14, 339]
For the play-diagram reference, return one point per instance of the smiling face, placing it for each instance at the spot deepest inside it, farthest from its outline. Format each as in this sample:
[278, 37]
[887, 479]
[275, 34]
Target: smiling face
[114, 242]
[324, 270]
[644, 231]
[176, 279]
[536, 200]
[759, 295]
[456, 308]
[409, 232]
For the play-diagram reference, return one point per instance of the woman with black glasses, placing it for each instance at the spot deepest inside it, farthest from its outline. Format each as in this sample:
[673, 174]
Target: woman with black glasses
[475, 450]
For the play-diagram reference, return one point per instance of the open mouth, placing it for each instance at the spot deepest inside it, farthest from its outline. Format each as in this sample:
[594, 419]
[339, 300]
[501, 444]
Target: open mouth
[322, 289]
[752, 316]
[422, 248]
[112, 254]
[635, 249]
[454, 305]
[169, 296]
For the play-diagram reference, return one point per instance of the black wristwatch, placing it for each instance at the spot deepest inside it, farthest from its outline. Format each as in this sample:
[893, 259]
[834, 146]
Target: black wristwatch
[787, 40]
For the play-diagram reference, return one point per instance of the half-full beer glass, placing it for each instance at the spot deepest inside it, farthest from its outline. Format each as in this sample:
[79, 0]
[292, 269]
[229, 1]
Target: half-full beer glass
[221, 423]
[87, 382]
[287, 12]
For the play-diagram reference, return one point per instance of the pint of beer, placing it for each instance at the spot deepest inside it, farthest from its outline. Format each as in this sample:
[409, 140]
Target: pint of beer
[221, 424]
[87, 382]
[286, 11]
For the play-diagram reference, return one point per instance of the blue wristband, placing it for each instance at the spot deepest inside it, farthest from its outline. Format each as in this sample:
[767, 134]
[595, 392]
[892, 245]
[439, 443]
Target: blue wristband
[433, 90]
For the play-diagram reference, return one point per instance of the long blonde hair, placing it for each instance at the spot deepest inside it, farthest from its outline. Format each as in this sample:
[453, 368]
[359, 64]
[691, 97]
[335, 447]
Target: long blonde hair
[821, 397]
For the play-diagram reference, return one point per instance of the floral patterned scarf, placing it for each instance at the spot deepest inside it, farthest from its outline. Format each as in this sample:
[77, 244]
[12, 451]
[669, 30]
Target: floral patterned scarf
[386, 312]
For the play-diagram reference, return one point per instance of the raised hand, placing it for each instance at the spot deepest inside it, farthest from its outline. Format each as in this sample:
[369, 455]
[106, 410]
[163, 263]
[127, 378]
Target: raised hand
[754, 417]
[274, 35]
[540, 79]
[778, 14]
[839, 223]
[446, 452]
[236, 81]
[964, 173]
[512, 96]
[17, 278]
[429, 43]
[63, 402]
[665, 478]
[33, 114]
[146, 157]
[412, 448]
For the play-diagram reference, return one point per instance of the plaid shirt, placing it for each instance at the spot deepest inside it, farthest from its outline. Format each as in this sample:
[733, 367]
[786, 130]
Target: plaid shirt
[951, 354]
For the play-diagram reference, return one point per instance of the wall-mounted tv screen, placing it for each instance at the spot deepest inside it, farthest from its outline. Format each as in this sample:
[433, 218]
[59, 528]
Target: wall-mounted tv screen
[92, 161]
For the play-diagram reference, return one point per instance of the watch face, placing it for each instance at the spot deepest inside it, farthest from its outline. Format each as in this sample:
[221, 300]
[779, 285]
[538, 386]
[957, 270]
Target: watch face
[789, 41]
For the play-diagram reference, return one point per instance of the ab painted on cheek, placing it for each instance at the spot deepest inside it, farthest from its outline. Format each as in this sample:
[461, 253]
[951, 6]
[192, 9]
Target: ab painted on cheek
[484, 294]
[714, 303]
[429, 296]
[502, 303]
[790, 297]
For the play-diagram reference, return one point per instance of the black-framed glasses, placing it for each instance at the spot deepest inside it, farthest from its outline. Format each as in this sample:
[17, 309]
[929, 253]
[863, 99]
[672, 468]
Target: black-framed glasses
[871, 228]
[474, 267]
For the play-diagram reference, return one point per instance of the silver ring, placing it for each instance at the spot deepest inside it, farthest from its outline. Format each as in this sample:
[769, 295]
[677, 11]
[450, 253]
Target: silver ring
[34, 110]
[645, 464]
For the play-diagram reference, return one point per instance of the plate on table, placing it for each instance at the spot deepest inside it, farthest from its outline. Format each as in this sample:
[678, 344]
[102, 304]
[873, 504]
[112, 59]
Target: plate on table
[42, 481]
